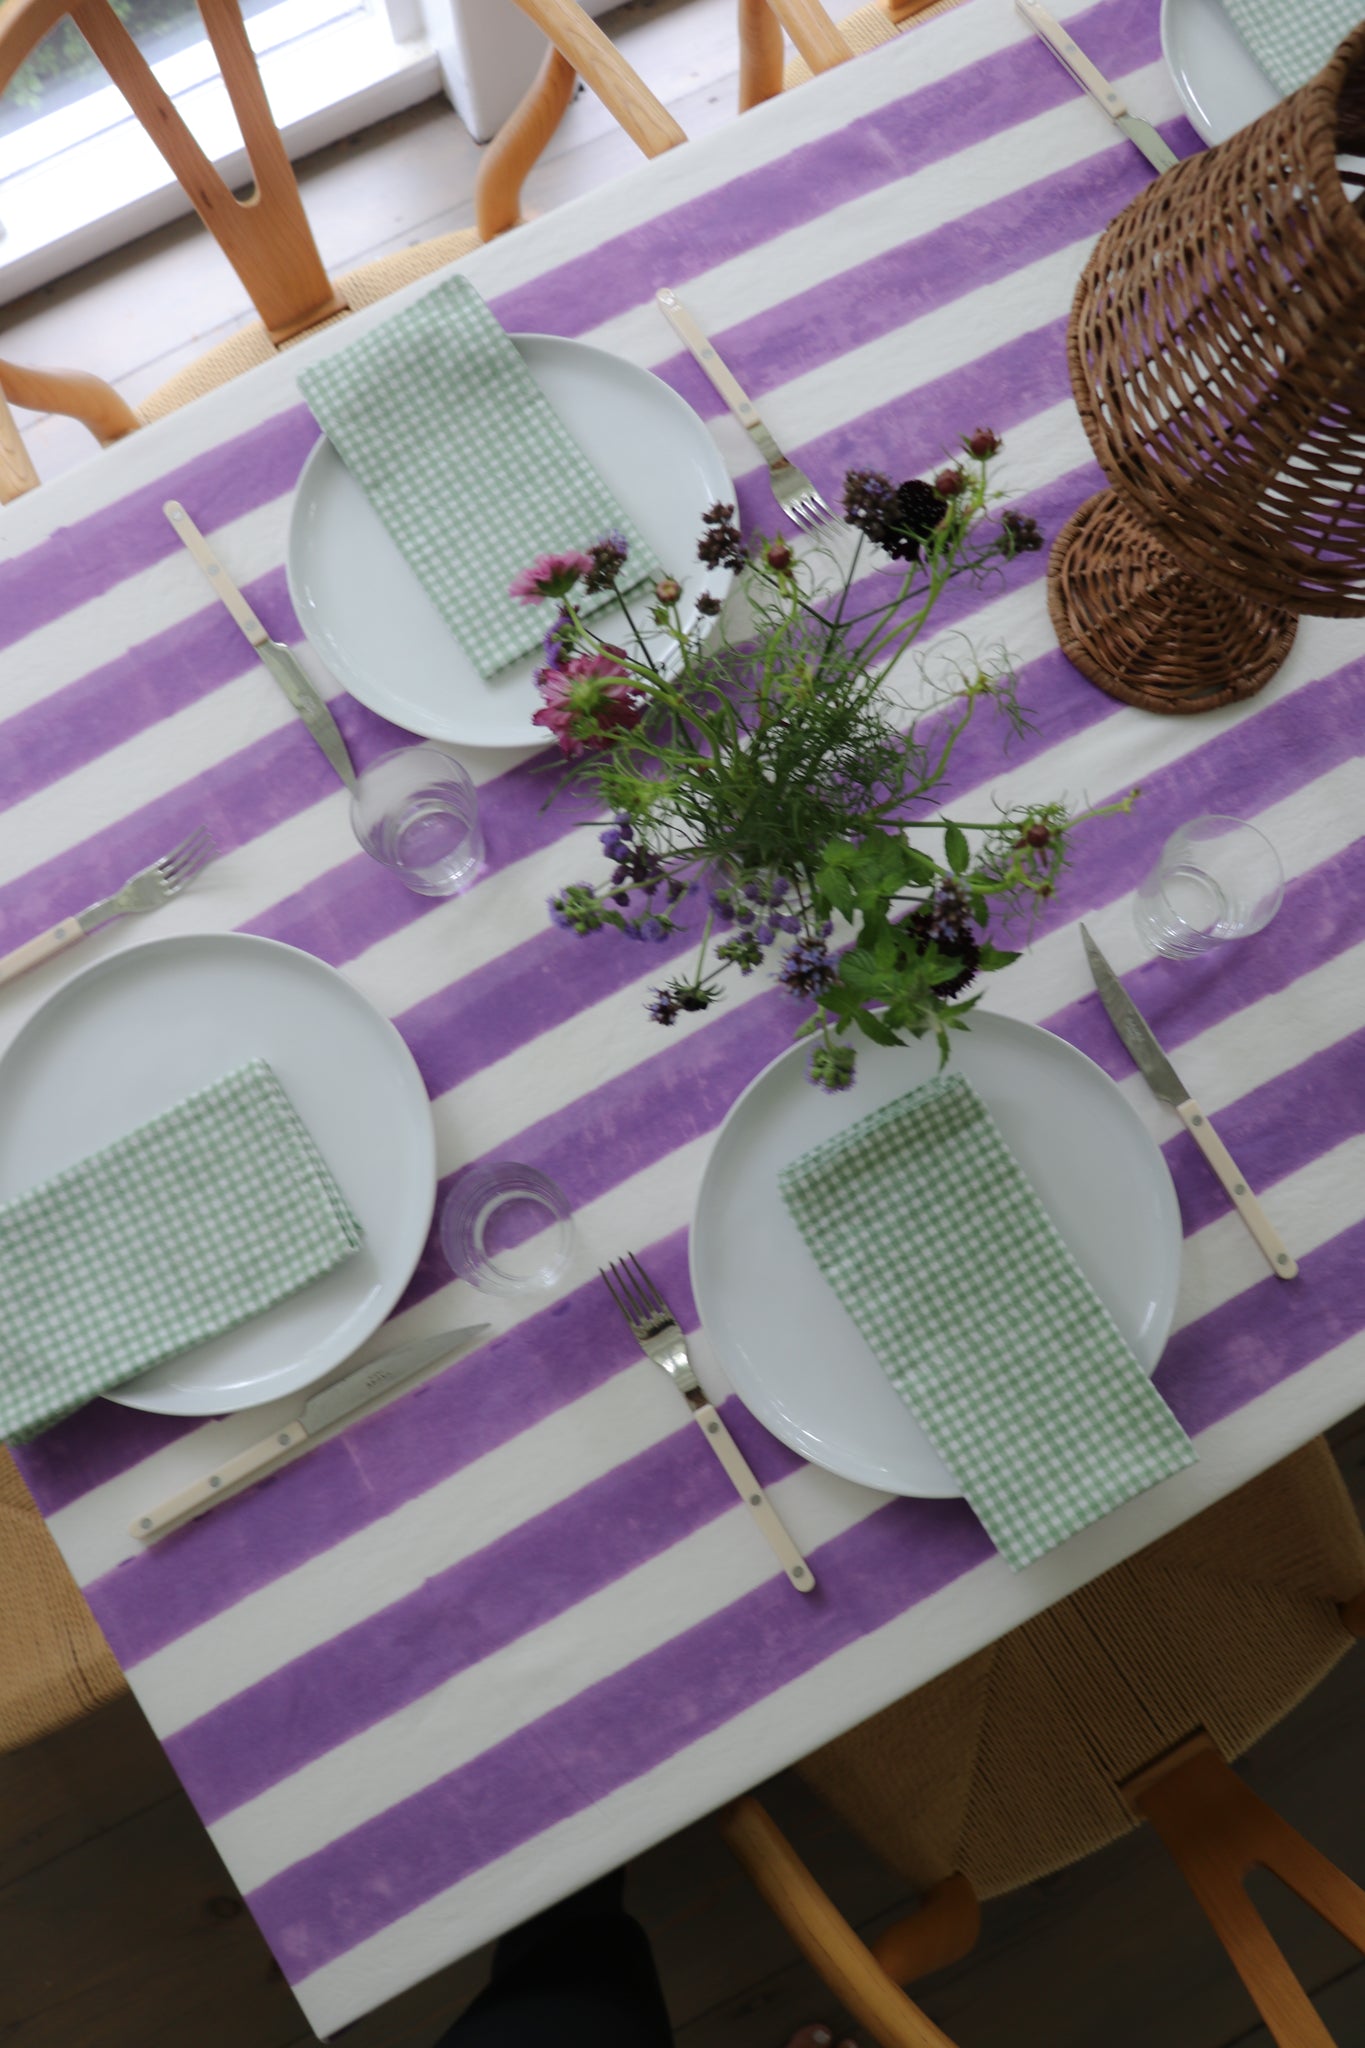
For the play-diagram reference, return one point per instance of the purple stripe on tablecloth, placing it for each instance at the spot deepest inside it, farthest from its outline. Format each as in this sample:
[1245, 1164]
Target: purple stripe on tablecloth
[137, 689]
[93, 1445]
[1279, 1127]
[877, 148]
[353, 1480]
[921, 275]
[460, 1616]
[1322, 914]
[612, 1733]
[81, 562]
[1265, 1335]
[638, 1718]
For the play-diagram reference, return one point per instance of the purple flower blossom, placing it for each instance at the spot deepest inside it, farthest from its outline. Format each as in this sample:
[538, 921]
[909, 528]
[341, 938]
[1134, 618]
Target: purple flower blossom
[550, 576]
[808, 969]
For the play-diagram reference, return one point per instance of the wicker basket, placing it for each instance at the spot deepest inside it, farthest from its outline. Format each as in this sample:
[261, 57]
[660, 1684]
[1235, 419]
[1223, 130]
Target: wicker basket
[1217, 357]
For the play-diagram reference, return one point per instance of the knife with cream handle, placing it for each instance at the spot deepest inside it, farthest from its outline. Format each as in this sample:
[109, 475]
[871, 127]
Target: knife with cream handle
[343, 1397]
[280, 661]
[1166, 1085]
[1068, 52]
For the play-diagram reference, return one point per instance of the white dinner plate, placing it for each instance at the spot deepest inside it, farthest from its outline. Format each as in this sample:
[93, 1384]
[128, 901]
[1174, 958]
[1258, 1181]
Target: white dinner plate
[130, 1037]
[794, 1355]
[1220, 84]
[374, 626]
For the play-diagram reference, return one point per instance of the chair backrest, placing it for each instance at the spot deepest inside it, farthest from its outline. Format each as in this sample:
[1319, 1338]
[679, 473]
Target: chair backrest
[73, 392]
[266, 238]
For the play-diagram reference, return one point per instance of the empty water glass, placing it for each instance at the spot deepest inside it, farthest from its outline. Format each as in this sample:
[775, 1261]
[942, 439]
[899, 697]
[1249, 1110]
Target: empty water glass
[506, 1227]
[417, 811]
[1217, 879]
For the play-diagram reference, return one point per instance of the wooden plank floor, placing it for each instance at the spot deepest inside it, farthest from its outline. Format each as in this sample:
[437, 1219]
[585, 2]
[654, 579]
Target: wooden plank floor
[119, 1927]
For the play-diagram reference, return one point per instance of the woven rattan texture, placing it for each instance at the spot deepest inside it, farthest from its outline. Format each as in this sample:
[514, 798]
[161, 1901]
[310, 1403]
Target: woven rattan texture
[1008, 1766]
[1145, 630]
[1217, 353]
[55, 1666]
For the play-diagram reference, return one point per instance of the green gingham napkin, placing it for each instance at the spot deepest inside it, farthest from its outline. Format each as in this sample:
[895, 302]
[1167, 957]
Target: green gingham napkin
[1291, 40]
[471, 470]
[190, 1224]
[926, 1228]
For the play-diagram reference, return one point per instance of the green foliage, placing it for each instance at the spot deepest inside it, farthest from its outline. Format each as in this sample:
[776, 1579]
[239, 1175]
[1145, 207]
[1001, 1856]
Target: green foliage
[785, 776]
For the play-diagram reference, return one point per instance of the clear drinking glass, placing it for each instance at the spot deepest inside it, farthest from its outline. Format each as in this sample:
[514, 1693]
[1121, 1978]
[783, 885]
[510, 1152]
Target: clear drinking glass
[417, 811]
[508, 1228]
[1217, 879]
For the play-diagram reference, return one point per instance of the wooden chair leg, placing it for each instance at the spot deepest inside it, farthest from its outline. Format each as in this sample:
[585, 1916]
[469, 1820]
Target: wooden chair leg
[823, 1935]
[1217, 1830]
[518, 144]
[600, 65]
[17, 473]
[812, 32]
[762, 54]
[943, 1930]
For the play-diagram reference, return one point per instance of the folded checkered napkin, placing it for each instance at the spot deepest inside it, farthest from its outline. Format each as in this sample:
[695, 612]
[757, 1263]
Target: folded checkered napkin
[174, 1233]
[922, 1221]
[1291, 40]
[468, 465]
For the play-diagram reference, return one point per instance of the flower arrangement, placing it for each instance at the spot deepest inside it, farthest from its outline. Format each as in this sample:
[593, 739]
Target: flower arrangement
[776, 793]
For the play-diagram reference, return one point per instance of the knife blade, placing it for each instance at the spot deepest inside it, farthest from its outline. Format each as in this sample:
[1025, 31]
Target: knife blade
[276, 658]
[1091, 79]
[1161, 1077]
[343, 1397]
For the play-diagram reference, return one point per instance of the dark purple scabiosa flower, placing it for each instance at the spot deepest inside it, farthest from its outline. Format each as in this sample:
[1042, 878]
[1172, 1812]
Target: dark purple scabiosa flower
[950, 483]
[608, 558]
[808, 968]
[708, 606]
[983, 443]
[1022, 535]
[898, 518]
[721, 545]
[832, 1067]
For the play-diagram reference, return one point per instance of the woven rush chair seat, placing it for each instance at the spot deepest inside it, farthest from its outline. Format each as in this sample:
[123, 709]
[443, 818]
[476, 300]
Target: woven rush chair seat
[1122, 1704]
[251, 344]
[55, 1666]
[867, 28]
[1008, 1767]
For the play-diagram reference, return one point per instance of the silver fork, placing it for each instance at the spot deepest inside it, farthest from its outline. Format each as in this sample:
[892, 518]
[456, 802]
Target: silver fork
[656, 1330]
[147, 890]
[792, 488]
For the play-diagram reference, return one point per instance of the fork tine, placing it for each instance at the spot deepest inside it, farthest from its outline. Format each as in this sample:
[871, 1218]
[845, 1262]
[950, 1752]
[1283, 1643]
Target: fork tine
[654, 1302]
[185, 861]
[610, 1278]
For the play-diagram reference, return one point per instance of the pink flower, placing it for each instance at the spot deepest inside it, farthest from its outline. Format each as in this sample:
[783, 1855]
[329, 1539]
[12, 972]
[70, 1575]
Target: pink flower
[550, 576]
[588, 702]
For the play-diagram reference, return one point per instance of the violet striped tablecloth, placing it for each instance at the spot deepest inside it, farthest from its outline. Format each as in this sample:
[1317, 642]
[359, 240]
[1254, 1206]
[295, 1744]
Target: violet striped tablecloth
[514, 1627]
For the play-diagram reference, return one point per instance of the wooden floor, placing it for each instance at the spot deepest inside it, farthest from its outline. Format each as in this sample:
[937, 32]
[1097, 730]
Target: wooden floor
[119, 1927]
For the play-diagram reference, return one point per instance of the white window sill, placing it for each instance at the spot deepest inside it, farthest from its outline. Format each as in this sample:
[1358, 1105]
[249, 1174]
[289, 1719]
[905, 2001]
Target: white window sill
[107, 183]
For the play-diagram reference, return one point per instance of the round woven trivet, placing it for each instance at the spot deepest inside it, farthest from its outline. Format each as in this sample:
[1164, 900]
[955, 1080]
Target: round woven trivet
[1145, 630]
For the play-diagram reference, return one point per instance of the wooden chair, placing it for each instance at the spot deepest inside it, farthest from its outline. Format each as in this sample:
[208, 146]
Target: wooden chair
[55, 1666]
[579, 48]
[265, 237]
[1123, 1703]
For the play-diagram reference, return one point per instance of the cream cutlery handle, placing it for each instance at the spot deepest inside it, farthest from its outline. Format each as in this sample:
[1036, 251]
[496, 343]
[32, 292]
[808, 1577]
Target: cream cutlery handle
[1280, 1261]
[248, 1464]
[754, 1498]
[1073, 57]
[728, 385]
[34, 951]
